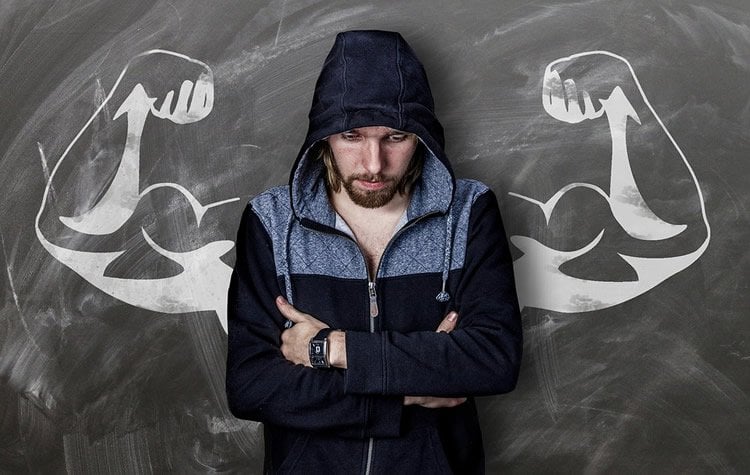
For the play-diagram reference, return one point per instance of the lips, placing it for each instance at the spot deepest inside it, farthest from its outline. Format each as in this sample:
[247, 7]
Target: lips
[372, 185]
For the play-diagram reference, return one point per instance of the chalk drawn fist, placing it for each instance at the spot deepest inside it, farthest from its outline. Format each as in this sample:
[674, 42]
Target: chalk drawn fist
[577, 87]
[169, 86]
[194, 101]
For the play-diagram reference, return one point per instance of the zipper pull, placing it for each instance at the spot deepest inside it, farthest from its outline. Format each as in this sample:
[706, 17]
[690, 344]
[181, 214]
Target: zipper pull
[373, 299]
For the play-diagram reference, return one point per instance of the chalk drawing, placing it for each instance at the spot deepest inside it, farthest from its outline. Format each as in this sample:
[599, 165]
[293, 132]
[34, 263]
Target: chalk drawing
[541, 283]
[203, 282]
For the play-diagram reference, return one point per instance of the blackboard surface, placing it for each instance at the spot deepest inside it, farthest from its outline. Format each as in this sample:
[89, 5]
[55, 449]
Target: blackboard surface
[637, 339]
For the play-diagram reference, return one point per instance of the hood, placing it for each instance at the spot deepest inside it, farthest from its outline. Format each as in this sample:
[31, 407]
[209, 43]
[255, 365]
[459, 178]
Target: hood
[371, 78]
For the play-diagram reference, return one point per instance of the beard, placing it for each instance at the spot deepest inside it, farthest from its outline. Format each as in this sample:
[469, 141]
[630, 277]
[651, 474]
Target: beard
[370, 198]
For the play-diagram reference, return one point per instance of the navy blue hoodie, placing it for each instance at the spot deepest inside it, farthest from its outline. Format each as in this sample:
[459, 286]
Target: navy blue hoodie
[450, 254]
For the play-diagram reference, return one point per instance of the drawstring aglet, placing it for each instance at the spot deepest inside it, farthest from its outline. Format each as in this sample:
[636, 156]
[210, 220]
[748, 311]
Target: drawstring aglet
[443, 296]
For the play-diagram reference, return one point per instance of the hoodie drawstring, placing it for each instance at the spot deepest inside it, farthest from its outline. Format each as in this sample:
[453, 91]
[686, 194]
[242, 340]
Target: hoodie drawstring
[444, 296]
[284, 267]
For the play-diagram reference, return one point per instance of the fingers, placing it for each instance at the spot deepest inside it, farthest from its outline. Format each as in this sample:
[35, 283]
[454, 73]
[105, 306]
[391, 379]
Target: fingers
[565, 100]
[448, 323]
[551, 87]
[433, 402]
[553, 95]
[165, 109]
[194, 101]
[571, 94]
[182, 99]
[438, 402]
[589, 111]
[288, 310]
[203, 97]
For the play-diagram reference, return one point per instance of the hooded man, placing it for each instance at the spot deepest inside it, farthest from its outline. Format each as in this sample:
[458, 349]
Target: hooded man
[343, 277]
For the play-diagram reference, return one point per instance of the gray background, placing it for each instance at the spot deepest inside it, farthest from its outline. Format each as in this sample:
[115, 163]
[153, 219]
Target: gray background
[658, 384]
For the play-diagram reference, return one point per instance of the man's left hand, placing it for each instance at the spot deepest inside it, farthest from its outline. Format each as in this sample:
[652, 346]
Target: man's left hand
[295, 341]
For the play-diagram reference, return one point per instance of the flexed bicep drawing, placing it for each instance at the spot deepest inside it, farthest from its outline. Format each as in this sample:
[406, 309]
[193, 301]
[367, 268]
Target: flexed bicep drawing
[601, 86]
[187, 96]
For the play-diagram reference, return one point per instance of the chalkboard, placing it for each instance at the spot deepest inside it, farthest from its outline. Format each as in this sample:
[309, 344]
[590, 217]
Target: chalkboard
[614, 134]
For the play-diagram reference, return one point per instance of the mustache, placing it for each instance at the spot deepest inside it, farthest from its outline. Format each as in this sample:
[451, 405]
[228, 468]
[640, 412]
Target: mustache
[372, 178]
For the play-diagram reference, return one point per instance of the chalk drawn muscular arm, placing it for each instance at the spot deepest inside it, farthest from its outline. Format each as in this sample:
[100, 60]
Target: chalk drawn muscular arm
[541, 283]
[204, 278]
[194, 102]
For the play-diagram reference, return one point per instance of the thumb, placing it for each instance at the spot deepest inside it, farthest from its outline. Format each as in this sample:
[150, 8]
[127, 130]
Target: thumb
[448, 323]
[288, 310]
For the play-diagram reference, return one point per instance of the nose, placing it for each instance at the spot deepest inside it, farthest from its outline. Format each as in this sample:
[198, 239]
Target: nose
[373, 158]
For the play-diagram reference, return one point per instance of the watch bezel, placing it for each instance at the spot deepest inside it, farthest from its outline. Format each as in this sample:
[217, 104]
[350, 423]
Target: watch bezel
[320, 359]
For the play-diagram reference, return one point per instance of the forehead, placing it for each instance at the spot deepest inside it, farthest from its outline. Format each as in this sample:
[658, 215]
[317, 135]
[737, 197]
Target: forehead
[375, 131]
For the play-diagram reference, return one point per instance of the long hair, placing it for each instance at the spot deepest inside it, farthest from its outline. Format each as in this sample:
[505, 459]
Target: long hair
[410, 177]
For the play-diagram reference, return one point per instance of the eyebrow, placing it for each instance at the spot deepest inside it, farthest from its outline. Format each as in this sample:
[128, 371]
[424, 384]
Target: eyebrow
[390, 131]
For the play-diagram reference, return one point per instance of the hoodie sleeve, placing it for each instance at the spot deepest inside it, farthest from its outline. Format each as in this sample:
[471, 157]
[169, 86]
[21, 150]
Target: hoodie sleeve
[264, 386]
[481, 356]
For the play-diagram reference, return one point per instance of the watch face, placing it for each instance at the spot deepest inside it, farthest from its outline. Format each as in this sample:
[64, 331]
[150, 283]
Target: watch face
[318, 354]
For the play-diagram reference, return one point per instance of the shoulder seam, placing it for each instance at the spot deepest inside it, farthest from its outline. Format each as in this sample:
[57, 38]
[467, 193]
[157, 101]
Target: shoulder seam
[480, 193]
[269, 199]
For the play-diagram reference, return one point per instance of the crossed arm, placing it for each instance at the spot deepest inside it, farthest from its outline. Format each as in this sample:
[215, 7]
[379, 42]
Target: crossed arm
[384, 369]
[295, 340]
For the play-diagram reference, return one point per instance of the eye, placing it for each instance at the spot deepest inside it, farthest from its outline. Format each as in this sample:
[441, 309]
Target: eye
[350, 136]
[396, 138]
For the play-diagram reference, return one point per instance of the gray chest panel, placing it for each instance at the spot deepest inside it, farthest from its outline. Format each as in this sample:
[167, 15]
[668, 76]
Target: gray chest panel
[419, 247]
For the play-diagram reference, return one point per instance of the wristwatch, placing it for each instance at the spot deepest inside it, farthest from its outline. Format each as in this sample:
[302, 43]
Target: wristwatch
[319, 349]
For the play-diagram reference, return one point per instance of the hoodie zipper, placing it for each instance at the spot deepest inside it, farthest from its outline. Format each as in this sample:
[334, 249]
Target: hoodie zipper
[373, 304]
[372, 297]
[374, 311]
[372, 293]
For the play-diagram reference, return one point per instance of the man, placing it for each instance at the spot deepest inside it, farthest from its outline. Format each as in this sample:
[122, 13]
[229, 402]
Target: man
[343, 276]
